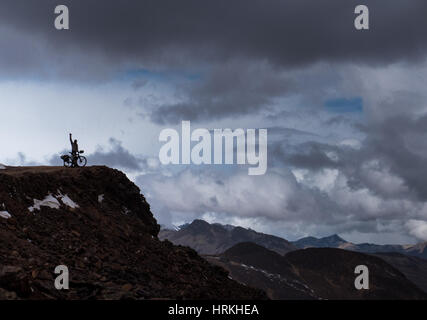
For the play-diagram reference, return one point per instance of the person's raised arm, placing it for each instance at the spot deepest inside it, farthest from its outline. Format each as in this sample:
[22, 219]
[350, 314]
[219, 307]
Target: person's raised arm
[71, 139]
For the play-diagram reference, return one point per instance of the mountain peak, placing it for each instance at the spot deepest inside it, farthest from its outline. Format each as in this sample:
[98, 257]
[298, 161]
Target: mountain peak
[334, 237]
[332, 241]
[199, 221]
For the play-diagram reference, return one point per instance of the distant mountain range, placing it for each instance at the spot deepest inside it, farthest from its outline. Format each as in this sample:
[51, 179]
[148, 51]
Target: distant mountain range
[335, 241]
[309, 268]
[212, 239]
[216, 238]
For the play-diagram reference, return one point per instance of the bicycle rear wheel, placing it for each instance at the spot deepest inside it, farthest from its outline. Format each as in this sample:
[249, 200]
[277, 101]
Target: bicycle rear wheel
[67, 163]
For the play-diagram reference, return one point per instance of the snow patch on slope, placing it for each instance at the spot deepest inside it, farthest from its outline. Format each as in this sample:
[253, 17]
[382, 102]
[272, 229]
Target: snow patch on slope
[295, 284]
[52, 202]
[5, 215]
[65, 199]
[49, 201]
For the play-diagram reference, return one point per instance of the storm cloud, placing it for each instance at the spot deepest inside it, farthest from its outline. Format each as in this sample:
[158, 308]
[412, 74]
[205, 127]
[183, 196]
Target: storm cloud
[171, 33]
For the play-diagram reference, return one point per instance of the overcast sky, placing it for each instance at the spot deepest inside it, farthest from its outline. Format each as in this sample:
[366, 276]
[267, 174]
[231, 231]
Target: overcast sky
[346, 110]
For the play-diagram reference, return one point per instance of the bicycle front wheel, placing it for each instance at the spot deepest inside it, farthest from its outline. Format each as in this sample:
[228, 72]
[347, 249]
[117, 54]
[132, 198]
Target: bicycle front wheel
[82, 161]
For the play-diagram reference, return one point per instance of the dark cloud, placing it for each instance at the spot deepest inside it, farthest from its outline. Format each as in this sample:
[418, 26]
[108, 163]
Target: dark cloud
[235, 88]
[311, 156]
[401, 144]
[245, 51]
[166, 32]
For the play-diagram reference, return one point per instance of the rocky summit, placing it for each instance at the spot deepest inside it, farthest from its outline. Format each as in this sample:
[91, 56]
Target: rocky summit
[95, 222]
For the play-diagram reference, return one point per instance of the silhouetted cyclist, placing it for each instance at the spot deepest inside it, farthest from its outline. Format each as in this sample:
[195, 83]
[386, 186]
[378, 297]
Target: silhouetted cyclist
[74, 150]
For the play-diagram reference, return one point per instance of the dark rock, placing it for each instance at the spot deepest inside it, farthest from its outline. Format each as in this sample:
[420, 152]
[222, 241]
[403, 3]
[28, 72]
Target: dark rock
[110, 253]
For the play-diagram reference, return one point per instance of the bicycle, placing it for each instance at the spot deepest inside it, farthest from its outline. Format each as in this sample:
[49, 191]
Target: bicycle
[80, 161]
